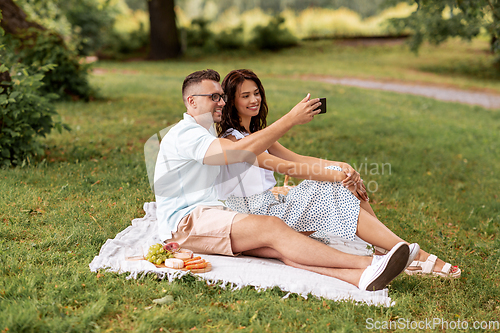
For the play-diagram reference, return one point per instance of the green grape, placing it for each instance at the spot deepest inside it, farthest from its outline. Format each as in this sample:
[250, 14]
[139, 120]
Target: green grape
[157, 254]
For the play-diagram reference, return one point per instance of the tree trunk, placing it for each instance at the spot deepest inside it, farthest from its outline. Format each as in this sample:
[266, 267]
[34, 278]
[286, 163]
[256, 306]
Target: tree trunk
[4, 76]
[14, 18]
[164, 37]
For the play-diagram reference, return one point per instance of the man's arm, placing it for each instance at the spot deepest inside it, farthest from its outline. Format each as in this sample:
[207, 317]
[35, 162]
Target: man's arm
[224, 151]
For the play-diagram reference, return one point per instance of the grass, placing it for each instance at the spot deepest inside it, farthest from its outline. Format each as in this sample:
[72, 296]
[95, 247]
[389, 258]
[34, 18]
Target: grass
[454, 64]
[441, 192]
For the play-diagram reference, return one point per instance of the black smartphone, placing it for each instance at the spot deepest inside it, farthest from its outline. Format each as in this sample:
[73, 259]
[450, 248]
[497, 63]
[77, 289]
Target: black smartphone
[323, 105]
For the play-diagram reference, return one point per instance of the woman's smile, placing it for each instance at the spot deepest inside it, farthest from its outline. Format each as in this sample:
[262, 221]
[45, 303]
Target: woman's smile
[248, 99]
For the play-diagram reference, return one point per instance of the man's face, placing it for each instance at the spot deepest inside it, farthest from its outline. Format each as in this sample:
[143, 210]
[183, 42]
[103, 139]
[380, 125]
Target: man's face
[206, 109]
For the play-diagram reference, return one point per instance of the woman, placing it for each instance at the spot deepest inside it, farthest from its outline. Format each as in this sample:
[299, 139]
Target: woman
[331, 199]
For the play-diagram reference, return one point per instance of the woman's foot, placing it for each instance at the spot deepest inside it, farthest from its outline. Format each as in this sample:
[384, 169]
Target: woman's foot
[427, 263]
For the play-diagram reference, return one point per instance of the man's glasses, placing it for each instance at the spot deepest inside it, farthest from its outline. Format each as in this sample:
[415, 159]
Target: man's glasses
[215, 96]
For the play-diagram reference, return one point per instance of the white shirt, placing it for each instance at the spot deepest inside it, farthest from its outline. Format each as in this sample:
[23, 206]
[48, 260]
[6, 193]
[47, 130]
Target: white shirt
[182, 181]
[243, 179]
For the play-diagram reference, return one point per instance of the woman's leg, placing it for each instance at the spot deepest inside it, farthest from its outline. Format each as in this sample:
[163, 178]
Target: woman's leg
[366, 206]
[372, 231]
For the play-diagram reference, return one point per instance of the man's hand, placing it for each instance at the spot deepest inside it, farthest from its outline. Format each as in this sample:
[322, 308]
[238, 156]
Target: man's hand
[304, 111]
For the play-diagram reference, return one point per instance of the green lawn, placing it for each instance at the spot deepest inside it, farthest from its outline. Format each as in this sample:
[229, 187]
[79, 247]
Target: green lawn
[441, 191]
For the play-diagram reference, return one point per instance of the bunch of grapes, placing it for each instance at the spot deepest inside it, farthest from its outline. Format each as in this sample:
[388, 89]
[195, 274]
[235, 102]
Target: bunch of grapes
[157, 254]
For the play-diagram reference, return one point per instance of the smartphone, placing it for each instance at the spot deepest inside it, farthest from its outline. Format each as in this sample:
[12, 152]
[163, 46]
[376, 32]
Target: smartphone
[323, 105]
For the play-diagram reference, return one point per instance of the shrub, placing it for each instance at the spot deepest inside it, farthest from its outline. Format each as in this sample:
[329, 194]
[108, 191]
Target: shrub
[25, 115]
[273, 36]
[91, 21]
[125, 43]
[198, 35]
[36, 49]
[230, 39]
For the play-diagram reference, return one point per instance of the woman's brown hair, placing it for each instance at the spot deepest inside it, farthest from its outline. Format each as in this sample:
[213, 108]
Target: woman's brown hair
[230, 117]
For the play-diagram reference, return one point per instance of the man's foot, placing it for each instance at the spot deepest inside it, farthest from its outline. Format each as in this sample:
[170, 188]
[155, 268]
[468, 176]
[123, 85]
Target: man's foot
[414, 252]
[385, 268]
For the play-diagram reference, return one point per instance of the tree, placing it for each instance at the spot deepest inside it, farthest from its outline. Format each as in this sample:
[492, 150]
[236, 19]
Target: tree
[30, 43]
[437, 20]
[4, 74]
[26, 113]
[14, 19]
[164, 36]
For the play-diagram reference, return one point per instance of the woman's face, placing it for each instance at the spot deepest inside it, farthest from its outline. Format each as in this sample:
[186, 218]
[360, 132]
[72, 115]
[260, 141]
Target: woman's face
[247, 100]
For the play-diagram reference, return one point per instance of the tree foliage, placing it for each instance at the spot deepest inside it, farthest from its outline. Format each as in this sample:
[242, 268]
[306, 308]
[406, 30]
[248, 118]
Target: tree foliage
[35, 46]
[363, 7]
[84, 23]
[437, 20]
[25, 115]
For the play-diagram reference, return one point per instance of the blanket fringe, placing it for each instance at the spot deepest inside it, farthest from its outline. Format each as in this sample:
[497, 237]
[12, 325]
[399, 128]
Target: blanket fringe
[232, 273]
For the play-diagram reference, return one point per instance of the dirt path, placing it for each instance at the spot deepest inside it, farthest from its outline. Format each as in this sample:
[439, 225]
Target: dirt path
[484, 99]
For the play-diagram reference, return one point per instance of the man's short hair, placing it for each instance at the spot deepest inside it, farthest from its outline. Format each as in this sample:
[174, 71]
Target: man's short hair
[197, 77]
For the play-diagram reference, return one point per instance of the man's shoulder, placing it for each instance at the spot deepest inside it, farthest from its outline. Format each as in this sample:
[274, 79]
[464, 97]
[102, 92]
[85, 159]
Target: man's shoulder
[179, 128]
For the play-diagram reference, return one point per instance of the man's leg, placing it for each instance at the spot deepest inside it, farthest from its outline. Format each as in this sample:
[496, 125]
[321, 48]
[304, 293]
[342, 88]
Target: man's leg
[251, 232]
[350, 275]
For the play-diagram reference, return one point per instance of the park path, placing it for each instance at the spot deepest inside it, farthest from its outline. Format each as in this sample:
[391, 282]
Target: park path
[484, 99]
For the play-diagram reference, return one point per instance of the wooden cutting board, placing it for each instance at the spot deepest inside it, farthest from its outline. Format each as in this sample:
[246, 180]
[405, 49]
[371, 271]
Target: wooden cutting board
[198, 270]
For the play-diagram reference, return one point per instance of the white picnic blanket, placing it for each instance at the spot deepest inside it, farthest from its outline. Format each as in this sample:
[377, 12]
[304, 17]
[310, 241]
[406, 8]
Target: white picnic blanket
[117, 255]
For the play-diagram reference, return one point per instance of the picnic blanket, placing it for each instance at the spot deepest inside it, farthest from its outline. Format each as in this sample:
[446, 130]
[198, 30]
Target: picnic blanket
[121, 253]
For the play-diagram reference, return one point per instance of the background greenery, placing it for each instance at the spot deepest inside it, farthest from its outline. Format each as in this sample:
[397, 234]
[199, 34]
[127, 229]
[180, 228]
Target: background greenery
[59, 210]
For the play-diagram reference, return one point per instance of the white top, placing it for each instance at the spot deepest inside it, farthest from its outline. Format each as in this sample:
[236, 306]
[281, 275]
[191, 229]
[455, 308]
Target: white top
[243, 179]
[182, 181]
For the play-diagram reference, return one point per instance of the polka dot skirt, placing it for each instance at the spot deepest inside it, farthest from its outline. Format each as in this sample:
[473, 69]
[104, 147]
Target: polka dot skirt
[319, 206]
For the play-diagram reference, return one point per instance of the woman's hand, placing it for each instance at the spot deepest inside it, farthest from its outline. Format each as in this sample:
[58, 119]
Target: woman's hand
[305, 110]
[354, 183]
[353, 177]
[359, 191]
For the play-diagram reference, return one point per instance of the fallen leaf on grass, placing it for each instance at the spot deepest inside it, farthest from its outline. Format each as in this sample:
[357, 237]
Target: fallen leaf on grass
[164, 300]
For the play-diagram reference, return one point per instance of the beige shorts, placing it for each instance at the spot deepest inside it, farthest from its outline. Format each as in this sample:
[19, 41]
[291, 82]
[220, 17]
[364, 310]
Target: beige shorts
[206, 230]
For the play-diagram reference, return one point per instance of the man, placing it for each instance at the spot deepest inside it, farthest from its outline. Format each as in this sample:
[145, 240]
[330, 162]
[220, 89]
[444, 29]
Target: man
[189, 213]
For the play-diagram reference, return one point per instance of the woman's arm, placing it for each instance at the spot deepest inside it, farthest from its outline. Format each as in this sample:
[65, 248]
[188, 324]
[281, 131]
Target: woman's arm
[353, 180]
[282, 152]
[298, 169]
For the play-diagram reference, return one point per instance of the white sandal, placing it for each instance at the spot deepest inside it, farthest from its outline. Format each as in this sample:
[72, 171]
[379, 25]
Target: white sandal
[427, 267]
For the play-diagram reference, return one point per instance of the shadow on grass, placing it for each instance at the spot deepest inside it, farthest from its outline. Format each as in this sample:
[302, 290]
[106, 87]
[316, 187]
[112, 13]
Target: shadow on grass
[474, 69]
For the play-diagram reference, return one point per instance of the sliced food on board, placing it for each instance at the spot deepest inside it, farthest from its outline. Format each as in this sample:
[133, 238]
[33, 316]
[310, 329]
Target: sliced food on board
[171, 255]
